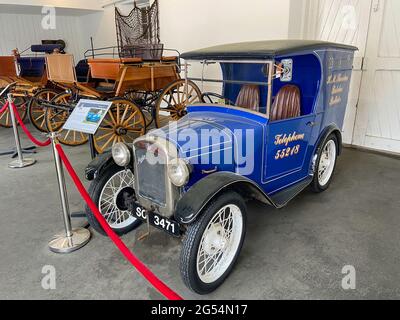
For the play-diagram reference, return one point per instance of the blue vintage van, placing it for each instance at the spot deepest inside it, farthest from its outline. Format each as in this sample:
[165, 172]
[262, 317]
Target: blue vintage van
[271, 128]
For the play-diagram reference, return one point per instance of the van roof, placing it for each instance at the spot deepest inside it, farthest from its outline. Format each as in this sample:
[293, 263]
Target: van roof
[261, 49]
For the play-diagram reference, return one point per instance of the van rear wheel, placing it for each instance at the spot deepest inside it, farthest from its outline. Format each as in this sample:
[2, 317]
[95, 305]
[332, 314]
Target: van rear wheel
[325, 165]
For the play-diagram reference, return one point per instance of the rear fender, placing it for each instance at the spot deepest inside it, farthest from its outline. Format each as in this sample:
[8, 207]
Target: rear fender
[325, 135]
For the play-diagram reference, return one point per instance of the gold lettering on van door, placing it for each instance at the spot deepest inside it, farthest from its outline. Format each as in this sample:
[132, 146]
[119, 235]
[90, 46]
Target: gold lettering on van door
[284, 139]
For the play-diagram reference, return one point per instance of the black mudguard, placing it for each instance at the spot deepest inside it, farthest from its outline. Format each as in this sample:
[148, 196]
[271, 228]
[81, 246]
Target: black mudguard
[193, 202]
[98, 165]
[325, 135]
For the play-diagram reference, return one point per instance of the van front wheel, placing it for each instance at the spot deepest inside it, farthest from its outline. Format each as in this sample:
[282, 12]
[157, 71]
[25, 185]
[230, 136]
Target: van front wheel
[213, 243]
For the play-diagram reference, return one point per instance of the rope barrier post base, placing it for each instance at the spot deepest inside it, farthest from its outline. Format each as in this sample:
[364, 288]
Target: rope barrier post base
[14, 153]
[72, 239]
[20, 162]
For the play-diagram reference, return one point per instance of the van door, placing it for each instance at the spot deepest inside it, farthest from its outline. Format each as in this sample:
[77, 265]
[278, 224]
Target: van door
[287, 152]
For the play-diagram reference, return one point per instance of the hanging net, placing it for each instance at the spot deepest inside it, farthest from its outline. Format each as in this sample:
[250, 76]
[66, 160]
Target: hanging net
[138, 33]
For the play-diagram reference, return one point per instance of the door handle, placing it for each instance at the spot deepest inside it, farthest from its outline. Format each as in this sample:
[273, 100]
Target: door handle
[311, 124]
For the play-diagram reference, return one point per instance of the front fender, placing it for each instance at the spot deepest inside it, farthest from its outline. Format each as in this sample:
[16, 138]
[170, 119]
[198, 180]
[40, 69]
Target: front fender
[193, 202]
[98, 165]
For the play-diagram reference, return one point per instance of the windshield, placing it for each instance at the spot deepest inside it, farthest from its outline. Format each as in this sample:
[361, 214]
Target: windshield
[244, 84]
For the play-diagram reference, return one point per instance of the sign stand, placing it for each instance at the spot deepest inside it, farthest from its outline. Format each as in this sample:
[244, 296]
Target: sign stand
[20, 162]
[86, 118]
[93, 152]
[72, 239]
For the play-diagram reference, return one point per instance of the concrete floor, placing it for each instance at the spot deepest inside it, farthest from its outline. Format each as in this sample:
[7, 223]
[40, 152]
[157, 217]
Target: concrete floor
[294, 253]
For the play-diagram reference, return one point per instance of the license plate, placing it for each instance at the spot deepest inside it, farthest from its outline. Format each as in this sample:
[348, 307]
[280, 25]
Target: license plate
[157, 221]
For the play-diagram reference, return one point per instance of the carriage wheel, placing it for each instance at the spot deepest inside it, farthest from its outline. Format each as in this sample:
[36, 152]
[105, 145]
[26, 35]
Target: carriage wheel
[124, 122]
[172, 103]
[55, 120]
[5, 117]
[36, 112]
[144, 100]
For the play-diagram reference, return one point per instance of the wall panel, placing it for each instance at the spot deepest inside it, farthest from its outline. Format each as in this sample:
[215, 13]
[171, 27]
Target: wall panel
[22, 30]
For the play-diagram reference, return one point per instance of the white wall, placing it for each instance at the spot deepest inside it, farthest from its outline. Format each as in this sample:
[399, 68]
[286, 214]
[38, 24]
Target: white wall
[22, 30]
[188, 25]
[185, 24]
[192, 24]
[75, 4]
[331, 20]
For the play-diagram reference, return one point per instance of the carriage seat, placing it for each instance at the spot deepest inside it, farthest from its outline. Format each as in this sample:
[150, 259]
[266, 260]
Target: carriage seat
[249, 97]
[32, 67]
[46, 48]
[82, 71]
[287, 103]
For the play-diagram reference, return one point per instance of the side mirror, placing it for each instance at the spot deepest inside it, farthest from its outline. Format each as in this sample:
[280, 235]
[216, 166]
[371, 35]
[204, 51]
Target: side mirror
[286, 70]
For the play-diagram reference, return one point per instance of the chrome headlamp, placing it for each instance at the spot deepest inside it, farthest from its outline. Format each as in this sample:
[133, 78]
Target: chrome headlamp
[121, 154]
[178, 172]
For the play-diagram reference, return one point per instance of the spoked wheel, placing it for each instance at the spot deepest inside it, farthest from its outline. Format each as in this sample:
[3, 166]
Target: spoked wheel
[109, 192]
[146, 101]
[172, 103]
[5, 117]
[325, 165]
[212, 244]
[124, 122]
[37, 112]
[56, 118]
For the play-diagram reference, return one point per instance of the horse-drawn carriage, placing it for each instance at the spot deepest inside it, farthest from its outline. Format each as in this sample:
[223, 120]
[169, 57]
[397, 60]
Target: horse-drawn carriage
[29, 74]
[143, 88]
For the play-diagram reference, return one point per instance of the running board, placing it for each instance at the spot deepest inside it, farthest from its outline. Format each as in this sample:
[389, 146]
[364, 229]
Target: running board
[282, 198]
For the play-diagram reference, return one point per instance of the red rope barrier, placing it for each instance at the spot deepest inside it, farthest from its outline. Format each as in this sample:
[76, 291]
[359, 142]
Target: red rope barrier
[156, 282]
[30, 136]
[4, 108]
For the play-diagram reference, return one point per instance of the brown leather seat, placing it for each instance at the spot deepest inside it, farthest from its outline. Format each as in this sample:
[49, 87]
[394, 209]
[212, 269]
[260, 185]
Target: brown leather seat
[249, 97]
[287, 103]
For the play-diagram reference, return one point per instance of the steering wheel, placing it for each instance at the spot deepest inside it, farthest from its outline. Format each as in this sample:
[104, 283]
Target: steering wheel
[209, 95]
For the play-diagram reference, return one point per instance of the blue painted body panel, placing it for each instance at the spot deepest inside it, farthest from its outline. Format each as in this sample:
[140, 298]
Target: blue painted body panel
[283, 150]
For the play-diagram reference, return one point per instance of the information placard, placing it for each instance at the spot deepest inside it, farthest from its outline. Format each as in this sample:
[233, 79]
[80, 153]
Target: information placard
[87, 116]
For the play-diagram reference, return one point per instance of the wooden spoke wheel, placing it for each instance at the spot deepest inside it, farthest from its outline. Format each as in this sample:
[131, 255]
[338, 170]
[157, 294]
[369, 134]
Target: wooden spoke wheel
[36, 111]
[56, 118]
[146, 102]
[172, 103]
[5, 117]
[124, 122]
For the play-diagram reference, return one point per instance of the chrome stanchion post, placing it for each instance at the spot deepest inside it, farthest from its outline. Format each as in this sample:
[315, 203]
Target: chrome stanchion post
[20, 162]
[72, 239]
